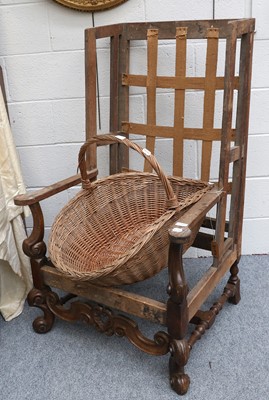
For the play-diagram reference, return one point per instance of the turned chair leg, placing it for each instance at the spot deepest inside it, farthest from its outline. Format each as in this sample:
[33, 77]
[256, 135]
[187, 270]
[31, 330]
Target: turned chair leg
[234, 280]
[177, 313]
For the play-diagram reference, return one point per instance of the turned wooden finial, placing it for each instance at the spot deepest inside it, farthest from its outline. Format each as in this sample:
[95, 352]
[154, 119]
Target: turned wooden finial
[179, 233]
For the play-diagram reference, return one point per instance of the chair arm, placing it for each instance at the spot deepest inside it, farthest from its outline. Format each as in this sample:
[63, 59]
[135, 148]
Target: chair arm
[180, 230]
[48, 191]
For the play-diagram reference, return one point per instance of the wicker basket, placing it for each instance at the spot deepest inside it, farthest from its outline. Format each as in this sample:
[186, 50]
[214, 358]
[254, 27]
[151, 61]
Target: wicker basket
[114, 231]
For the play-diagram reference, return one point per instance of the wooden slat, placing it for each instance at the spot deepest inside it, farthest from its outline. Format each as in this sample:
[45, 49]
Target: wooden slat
[122, 300]
[203, 134]
[169, 131]
[179, 104]
[209, 98]
[151, 88]
[174, 82]
[209, 281]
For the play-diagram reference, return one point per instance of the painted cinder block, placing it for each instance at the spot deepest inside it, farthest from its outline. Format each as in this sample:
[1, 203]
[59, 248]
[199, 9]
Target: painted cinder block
[260, 76]
[67, 27]
[59, 121]
[32, 123]
[131, 11]
[46, 76]
[258, 165]
[260, 11]
[255, 238]
[68, 120]
[178, 10]
[44, 165]
[232, 9]
[259, 120]
[24, 29]
[257, 198]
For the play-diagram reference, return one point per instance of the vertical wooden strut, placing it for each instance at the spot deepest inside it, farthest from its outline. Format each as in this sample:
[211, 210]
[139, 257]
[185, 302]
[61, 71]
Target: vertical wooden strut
[181, 46]
[226, 137]
[152, 36]
[242, 121]
[209, 97]
[90, 82]
[114, 117]
[177, 310]
[123, 95]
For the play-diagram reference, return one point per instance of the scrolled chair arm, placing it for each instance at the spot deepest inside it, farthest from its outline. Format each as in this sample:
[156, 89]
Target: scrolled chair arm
[48, 191]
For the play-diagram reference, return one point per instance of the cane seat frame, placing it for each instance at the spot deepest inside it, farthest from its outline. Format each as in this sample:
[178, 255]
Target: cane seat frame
[221, 235]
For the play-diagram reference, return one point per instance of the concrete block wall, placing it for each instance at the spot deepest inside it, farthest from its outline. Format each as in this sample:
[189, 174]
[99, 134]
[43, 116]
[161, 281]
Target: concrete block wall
[41, 52]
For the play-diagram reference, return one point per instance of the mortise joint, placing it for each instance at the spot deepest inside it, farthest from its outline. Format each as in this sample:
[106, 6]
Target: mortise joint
[152, 32]
[125, 127]
[181, 32]
[125, 79]
[212, 33]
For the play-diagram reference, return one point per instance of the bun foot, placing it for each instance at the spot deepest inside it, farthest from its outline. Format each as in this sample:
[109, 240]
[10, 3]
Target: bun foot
[180, 383]
[42, 325]
[37, 298]
[236, 297]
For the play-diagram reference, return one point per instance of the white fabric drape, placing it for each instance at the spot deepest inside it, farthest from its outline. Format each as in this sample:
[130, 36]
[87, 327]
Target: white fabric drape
[15, 272]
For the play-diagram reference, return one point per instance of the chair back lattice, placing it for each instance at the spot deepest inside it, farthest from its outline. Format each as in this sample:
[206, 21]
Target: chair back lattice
[180, 83]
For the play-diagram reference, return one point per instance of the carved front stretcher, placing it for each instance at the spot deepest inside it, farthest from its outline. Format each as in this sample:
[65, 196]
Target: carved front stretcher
[219, 235]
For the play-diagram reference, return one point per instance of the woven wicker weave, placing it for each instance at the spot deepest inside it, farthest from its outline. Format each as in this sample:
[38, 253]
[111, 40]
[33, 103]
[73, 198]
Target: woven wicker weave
[114, 231]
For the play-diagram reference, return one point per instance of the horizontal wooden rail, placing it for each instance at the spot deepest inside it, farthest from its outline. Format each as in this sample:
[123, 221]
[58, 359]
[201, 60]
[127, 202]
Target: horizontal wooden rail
[119, 299]
[48, 191]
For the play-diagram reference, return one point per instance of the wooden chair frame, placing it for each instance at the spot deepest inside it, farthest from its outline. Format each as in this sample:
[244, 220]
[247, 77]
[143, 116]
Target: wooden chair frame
[183, 305]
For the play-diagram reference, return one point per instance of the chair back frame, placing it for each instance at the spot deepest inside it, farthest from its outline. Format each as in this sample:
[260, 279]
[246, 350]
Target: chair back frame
[233, 140]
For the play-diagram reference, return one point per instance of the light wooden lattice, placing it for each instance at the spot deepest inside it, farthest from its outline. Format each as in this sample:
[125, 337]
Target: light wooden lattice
[180, 83]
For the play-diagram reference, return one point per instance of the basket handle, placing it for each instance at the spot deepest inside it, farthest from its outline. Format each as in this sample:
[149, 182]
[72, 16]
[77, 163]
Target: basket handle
[172, 202]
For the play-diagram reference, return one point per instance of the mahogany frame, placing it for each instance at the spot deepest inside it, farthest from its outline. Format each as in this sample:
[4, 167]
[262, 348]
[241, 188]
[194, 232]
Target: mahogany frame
[183, 305]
